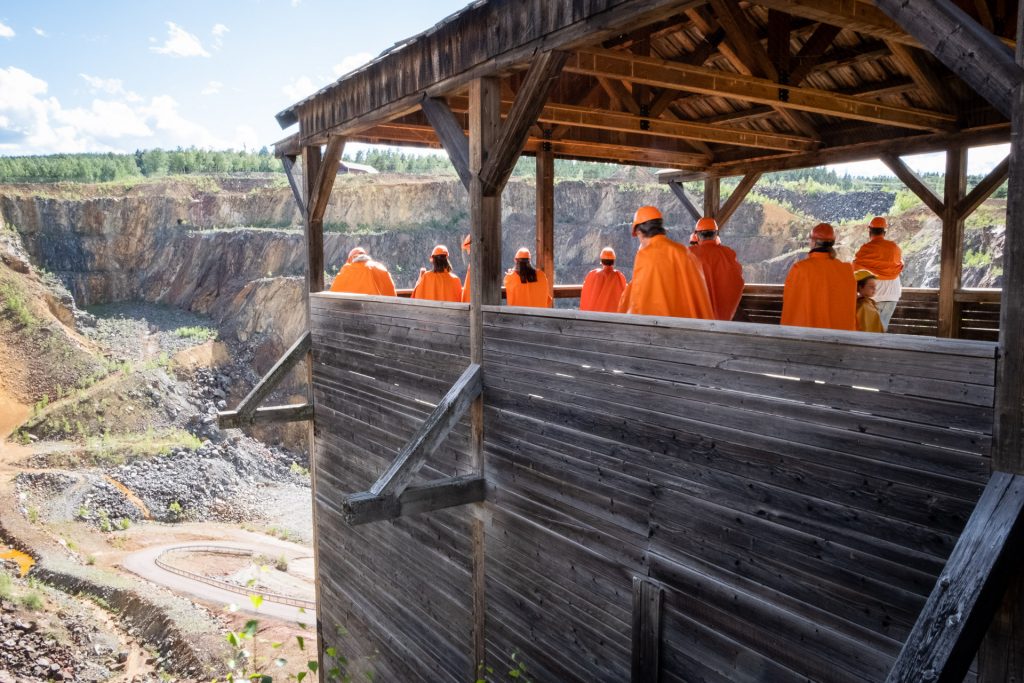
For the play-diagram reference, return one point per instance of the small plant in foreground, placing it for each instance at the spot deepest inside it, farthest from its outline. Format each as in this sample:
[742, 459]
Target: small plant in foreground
[32, 601]
[175, 511]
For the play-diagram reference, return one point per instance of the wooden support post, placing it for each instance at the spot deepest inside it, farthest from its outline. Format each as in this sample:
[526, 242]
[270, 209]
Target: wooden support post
[485, 219]
[712, 196]
[680, 193]
[311, 161]
[362, 508]
[946, 635]
[952, 249]
[449, 132]
[546, 214]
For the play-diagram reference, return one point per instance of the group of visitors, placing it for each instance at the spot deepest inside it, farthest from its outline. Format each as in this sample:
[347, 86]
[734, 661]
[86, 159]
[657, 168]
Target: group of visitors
[704, 280]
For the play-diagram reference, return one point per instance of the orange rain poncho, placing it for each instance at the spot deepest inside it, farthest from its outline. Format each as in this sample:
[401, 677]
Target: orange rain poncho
[438, 287]
[536, 294]
[667, 280]
[466, 291]
[881, 256]
[820, 291]
[602, 290]
[868, 319]
[364, 276]
[723, 275]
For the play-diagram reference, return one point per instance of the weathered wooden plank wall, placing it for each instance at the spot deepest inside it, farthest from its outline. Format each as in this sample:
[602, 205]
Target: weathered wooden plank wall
[795, 493]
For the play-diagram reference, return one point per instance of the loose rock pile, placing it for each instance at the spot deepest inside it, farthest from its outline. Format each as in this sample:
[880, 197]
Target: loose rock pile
[29, 651]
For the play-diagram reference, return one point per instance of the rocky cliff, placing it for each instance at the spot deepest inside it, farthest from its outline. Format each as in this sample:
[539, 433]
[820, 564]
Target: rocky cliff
[221, 247]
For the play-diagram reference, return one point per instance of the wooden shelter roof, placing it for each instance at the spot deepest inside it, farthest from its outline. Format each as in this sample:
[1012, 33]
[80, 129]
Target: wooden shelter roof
[706, 87]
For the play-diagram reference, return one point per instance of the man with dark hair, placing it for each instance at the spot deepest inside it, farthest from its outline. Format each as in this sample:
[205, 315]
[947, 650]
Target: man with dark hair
[820, 290]
[885, 259]
[722, 271]
[667, 279]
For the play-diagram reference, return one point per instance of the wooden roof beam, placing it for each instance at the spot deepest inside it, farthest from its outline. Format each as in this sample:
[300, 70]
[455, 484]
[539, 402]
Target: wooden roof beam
[854, 15]
[959, 42]
[659, 73]
[935, 92]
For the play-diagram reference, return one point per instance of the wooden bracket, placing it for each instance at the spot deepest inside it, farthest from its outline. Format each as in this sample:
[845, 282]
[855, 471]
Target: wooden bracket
[736, 198]
[386, 495]
[325, 177]
[983, 190]
[289, 166]
[914, 183]
[449, 131]
[248, 410]
[680, 193]
[362, 508]
[956, 616]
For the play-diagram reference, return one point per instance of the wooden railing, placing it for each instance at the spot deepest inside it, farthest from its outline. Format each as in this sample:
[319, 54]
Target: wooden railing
[917, 313]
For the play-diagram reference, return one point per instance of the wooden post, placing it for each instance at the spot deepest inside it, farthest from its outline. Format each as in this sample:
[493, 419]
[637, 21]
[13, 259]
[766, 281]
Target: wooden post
[712, 196]
[952, 249]
[311, 160]
[485, 218]
[546, 214]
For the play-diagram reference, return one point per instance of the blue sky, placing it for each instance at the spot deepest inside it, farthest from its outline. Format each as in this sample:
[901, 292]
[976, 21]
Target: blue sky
[119, 75]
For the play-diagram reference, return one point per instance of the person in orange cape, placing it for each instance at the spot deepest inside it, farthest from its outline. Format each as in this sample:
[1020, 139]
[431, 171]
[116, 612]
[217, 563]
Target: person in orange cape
[867, 312]
[885, 259]
[363, 275]
[722, 271]
[603, 287]
[667, 279]
[439, 284]
[820, 290]
[465, 288]
[526, 285]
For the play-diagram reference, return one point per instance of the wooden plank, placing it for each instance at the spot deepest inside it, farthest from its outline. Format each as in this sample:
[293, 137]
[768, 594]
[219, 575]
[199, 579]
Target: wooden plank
[984, 189]
[291, 413]
[914, 183]
[680, 193]
[298, 351]
[540, 79]
[959, 42]
[952, 247]
[363, 508]
[701, 80]
[736, 198]
[934, 91]
[956, 616]
[810, 55]
[646, 630]
[289, 170]
[449, 132]
[854, 15]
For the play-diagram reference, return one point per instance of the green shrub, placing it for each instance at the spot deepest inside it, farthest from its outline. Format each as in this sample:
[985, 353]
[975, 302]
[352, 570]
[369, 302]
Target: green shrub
[32, 601]
[5, 585]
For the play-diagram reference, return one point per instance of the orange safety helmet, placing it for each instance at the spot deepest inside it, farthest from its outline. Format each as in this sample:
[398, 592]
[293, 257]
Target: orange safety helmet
[356, 252]
[878, 222]
[607, 254]
[466, 242]
[823, 232]
[439, 250]
[694, 238]
[644, 214]
[705, 224]
[523, 253]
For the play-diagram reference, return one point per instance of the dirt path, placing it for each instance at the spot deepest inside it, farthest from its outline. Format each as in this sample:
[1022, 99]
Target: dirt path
[12, 414]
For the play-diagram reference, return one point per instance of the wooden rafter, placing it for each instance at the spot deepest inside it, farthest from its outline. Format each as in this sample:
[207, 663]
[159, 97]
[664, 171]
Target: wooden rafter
[810, 55]
[705, 81]
[934, 91]
[959, 42]
[854, 15]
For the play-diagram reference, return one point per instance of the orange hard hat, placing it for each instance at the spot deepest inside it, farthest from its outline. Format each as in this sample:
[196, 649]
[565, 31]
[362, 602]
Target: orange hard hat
[358, 251]
[694, 237]
[522, 253]
[439, 250]
[706, 223]
[644, 214]
[878, 222]
[466, 242]
[823, 232]
[607, 253]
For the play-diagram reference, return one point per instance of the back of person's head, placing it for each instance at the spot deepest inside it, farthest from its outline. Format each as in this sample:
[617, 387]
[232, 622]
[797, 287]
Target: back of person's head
[355, 254]
[607, 256]
[525, 270]
[706, 228]
[877, 226]
[439, 257]
[823, 237]
[648, 222]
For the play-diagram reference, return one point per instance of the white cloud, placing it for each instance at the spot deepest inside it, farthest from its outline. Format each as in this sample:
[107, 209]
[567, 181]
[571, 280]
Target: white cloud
[180, 43]
[6, 31]
[40, 32]
[295, 3]
[351, 63]
[31, 122]
[218, 32]
[299, 88]
[212, 88]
